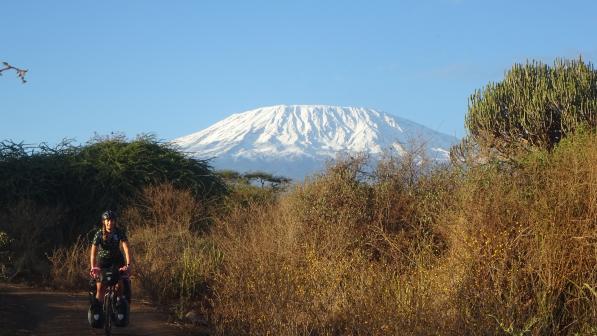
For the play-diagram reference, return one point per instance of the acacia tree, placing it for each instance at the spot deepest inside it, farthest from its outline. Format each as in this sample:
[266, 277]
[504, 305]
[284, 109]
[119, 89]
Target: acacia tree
[20, 72]
[535, 106]
[262, 177]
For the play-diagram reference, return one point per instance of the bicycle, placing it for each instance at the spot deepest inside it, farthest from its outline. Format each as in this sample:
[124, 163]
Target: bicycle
[109, 279]
[112, 308]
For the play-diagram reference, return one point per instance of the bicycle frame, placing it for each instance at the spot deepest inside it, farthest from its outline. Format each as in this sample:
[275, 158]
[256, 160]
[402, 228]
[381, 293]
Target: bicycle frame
[107, 310]
[110, 279]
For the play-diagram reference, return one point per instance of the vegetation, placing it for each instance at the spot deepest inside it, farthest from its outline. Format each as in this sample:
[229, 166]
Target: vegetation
[51, 196]
[260, 178]
[404, 247]
[535, 106]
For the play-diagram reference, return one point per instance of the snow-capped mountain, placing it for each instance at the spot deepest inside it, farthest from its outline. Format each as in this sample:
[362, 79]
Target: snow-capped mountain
[297, 140]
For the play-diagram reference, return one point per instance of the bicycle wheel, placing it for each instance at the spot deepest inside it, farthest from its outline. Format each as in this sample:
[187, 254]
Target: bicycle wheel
[108, 313]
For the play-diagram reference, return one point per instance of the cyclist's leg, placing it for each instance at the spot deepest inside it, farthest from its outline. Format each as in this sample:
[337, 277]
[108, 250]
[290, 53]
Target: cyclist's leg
[103, 264]
[99, 294]
[119, 288]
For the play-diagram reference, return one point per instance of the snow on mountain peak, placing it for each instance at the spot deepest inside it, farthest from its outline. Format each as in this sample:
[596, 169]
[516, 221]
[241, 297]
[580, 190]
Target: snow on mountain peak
[295, 140]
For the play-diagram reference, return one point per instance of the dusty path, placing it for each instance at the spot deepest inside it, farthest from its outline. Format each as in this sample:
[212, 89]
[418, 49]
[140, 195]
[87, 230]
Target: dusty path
[32, 311]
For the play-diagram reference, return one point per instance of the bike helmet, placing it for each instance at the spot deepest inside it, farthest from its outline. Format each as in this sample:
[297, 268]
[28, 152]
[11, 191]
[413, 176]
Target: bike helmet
[109, 214]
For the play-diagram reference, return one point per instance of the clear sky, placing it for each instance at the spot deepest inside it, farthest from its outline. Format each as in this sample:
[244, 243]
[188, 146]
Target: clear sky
[175, 67]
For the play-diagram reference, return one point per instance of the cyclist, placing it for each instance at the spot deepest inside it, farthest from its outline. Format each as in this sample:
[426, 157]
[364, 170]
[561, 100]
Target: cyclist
[106, 244]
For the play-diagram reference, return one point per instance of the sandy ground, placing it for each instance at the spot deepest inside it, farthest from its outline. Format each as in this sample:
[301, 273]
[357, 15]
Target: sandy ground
[34, 311]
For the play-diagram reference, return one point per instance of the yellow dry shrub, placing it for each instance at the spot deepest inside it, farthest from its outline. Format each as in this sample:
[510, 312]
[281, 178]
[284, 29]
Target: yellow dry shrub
[174, 263]
[308, 264]
[524, 242]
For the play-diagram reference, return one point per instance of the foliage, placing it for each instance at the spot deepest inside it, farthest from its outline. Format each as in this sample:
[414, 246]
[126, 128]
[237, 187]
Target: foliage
[405, 248]
[402, 249]
[409, 250]
[5, 253]
[174, 262]
[327, 258]
[535, 106]
[119, 170]
[528, 238]
[262, 179]
[79, 182]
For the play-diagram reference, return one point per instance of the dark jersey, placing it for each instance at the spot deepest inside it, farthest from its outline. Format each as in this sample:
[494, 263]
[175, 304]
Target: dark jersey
[109, 249]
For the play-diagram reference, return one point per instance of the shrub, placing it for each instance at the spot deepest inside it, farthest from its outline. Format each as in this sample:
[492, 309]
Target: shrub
[70, 265]
[535, 106]
[524, 243]
[307, 263]
[174, 263]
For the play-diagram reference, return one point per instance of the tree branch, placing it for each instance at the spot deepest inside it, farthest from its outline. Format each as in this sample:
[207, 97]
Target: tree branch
[20, 72]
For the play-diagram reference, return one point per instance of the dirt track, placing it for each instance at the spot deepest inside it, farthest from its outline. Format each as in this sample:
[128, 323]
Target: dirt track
[32, 311]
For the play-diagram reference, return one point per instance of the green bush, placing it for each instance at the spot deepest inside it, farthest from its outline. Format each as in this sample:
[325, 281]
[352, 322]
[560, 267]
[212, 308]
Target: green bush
[78, 183]
[535, 106]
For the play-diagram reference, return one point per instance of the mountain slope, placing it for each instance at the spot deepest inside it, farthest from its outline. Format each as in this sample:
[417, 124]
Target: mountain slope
[296, 140]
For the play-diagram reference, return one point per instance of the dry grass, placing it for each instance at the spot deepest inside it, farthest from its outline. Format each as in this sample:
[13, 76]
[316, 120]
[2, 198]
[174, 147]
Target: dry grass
[403, 250]
[526, 244]
[174, 263]
[493, 250]
[70, 266]
[328, 258]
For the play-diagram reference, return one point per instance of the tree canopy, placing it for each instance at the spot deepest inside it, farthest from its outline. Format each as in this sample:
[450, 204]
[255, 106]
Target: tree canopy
[105, 173]
[536, 105]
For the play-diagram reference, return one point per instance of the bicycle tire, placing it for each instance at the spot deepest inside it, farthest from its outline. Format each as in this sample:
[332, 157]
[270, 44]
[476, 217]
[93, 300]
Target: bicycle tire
[108, 312]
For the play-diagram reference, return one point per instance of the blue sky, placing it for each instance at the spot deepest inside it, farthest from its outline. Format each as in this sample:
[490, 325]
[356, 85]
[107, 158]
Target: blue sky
[175, 67]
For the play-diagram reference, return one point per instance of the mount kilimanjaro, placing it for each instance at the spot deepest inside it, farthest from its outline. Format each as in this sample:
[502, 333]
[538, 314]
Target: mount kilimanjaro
[297, 140]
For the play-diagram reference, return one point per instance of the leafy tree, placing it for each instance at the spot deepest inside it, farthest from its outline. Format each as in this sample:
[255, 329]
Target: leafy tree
[278, 182]
[535, 106]
[259, 176]
[231, 176]
[117, 169]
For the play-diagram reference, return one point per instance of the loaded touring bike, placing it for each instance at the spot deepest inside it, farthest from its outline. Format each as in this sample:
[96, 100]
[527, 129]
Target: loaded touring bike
[114, 309]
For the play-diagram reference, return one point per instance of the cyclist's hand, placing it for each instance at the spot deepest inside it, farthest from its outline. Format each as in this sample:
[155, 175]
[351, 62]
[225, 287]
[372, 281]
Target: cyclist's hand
[94, 272]
[125, 269]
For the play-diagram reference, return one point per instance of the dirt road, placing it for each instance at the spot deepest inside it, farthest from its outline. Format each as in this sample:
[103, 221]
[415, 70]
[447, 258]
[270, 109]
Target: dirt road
[32, 311]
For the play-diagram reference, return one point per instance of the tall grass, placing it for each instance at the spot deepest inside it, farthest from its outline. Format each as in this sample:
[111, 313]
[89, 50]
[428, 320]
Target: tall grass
[174, 263]
[333, 257]
[70, 265]
[495, 249]
[527, 248]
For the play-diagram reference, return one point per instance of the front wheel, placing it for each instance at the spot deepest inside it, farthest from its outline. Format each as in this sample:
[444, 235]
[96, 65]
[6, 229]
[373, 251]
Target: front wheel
[108, 314]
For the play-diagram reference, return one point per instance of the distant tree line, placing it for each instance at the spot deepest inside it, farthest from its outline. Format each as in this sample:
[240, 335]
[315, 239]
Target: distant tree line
[261, 178]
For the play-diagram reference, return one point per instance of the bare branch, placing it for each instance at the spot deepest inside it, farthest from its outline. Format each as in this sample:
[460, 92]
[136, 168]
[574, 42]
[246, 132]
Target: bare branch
[20, 72]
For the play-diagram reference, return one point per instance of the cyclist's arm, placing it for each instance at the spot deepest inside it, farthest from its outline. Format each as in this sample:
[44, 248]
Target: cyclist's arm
[92, 257]
[127, 252]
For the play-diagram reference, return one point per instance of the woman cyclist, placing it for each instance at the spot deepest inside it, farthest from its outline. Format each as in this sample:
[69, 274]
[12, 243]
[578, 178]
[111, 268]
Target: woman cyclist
[106, 245]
